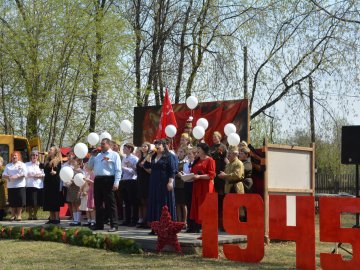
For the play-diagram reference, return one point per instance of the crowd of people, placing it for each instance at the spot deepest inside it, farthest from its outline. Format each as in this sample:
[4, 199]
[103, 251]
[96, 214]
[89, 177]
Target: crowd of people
[131, 186]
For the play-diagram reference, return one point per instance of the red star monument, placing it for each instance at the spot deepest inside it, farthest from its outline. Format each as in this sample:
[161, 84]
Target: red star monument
[167, 230]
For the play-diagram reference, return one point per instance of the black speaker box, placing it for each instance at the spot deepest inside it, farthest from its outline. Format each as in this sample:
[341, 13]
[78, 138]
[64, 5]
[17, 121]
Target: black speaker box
[350, 145]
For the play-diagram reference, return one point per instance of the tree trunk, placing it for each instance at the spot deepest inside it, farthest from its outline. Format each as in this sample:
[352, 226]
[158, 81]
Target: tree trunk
[3, 105]
[6, 129]
[312, 116]
[199, 48]
[246, 94]
[32, 77]
[154, 54]
[137, 29]
[99, 14]
[182, 53]
[159, 73]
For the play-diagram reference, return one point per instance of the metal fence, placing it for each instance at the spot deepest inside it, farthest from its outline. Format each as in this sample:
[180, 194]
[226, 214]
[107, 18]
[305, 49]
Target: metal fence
[335, 184]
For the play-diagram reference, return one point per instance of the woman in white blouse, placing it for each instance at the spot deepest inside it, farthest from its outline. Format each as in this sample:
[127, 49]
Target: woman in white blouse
[34, 185]
[15, 173]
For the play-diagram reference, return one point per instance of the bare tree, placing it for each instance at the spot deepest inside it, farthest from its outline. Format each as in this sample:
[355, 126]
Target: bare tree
[342, 10]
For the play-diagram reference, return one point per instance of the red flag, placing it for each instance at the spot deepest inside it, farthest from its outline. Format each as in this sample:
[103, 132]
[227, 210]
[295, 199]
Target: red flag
[167, 117]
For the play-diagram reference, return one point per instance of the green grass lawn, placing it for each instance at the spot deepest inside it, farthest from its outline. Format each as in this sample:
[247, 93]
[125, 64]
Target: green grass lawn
[47, 255]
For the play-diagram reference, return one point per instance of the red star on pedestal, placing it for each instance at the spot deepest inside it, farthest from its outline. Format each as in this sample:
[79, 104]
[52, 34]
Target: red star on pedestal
[167, 230]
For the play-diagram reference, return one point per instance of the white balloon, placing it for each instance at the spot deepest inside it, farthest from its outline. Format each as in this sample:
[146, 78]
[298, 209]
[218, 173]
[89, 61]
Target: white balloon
[192, 102]
[229, 128]
[66, 174]
[203, 123]
[198, 132]
[93, 138]
[233, 139]
[79, 179]
[81, 150]
[126, 126]
[170, 131]
[105, 135]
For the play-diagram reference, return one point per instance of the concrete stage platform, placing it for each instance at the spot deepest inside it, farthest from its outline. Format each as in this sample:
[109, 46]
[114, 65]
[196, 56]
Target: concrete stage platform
[188, 241]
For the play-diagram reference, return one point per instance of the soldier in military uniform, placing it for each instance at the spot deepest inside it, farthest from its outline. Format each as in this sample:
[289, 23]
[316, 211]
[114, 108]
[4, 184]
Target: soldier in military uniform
[244, 156]
[233, 175]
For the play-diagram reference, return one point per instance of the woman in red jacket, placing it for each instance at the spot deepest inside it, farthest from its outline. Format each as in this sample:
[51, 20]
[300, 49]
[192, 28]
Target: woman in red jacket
[203, 169]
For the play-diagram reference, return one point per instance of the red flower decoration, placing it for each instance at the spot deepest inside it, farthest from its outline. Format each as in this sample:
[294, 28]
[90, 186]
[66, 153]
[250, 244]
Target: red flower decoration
[63, 236]
[105, 158]
[166, 231]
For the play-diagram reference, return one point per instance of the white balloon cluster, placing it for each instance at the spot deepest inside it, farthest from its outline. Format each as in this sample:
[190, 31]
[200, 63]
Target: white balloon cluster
[81, 150]
[126, 126]
[198, 132]
[93, 138]
[79, 179]
[229, 128]
[192, 102]
[170, 131]
[203, 123]
[105, 135]
[66, 174]
[232, 137]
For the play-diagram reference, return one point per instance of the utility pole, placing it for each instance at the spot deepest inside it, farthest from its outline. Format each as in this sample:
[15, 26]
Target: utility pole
[246, 95]
[312, 118]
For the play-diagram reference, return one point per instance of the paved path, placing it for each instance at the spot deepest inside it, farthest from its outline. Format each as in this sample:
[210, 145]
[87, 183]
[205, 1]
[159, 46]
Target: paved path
[188, 241]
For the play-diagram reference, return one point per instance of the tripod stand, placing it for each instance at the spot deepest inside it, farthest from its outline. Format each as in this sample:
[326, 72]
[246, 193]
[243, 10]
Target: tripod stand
[357, 195]
[339, 245]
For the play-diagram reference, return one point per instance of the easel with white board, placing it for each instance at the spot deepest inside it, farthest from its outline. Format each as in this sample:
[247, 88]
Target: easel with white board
[290, 171]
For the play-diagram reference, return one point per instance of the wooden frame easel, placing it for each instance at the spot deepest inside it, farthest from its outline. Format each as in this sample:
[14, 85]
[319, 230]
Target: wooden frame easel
[305, 156]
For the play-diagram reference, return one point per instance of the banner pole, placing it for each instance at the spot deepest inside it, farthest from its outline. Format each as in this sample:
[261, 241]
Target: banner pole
[357, 193]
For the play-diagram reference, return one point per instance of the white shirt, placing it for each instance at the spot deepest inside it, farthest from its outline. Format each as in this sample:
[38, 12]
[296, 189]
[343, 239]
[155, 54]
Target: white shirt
[34, 176]
[186, 168]
[128, 167]
[18, 168]
[106, 164]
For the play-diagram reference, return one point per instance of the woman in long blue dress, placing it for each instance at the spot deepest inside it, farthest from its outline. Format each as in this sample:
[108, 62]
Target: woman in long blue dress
[161, 186]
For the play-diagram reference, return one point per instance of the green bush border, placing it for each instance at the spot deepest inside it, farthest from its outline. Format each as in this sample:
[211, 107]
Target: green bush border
[75, 236]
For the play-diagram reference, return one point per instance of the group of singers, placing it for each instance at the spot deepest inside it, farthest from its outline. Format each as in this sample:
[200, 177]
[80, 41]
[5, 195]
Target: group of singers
[133, 185]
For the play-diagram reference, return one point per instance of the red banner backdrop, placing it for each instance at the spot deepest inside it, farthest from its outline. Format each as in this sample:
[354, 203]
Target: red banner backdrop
[218, 114]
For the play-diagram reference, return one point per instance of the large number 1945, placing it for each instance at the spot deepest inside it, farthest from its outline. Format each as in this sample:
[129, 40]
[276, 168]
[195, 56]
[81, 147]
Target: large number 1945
[303, 233]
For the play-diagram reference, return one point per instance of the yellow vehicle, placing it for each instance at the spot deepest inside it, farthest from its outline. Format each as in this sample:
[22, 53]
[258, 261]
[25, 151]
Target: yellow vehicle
[11, 143]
